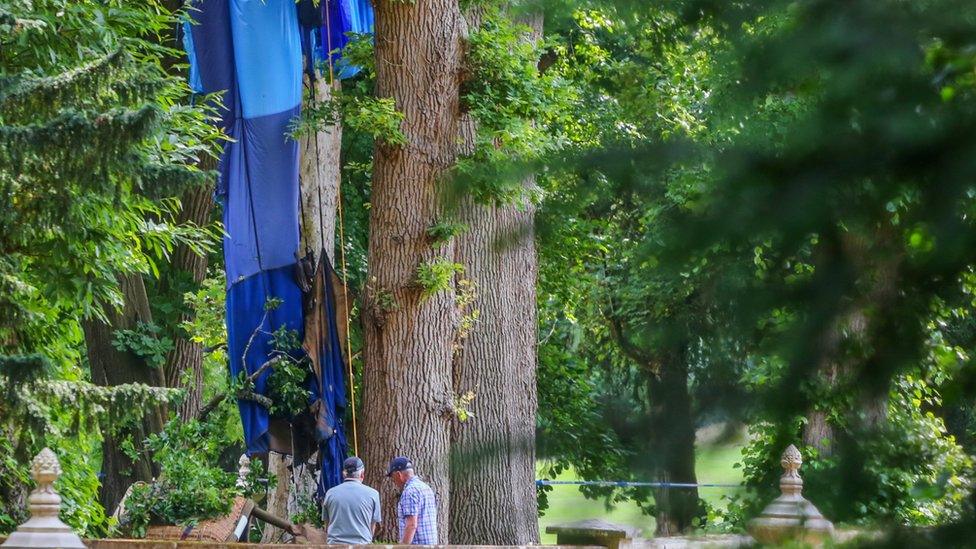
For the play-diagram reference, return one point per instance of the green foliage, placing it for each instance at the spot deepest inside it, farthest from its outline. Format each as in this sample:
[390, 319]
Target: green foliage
[287, 389]
[206, 325]
[287, 384]
[437, 276]
[308, 512]
[96, 144]
[442, 232]
[772, 178]
[190, 487]
[41, 409]
[272, 303]
[14, 479]
[359, 52]
[145, 341]
[78, 487]
[461, 406]
[378, 117]
[359, 112]
[519, 110]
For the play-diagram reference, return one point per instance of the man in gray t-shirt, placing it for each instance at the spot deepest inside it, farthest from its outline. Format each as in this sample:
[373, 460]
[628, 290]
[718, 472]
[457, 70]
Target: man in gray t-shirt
[351, 510]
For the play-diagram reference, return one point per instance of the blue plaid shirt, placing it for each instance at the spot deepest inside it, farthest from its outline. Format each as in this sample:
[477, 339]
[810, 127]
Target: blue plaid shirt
[418, 500]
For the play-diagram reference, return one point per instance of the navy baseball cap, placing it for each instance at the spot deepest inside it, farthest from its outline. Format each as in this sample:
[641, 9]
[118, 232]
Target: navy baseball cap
[399, 464]
[352, 464]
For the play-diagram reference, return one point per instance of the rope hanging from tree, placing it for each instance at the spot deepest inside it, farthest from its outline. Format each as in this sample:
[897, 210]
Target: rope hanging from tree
[345, 269]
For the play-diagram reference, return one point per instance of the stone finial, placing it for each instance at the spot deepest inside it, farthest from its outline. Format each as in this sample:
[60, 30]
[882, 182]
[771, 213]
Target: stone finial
[790, 482]
[790, 516]
[44, 528]
[243, 470]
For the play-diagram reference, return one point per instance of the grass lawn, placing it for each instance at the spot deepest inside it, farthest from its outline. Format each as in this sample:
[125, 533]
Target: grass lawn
[713, 464]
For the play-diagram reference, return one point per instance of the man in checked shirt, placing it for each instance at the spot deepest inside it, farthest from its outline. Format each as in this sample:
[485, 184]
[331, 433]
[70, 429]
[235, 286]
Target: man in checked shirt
[417, 510]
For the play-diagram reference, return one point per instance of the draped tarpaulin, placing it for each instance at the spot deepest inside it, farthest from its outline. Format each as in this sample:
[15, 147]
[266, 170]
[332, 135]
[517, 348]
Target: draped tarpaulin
[252, 51]
[325, 327]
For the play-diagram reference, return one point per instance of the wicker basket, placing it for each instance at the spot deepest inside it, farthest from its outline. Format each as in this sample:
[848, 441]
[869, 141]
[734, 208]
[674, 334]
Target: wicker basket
[222, 529]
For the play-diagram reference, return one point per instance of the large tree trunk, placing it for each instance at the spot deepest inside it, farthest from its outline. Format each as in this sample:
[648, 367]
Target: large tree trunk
[184, 363]
[407, 404]
[109, 367]
[672, 439]
[277, 503]
[493, 470]
[871, 410]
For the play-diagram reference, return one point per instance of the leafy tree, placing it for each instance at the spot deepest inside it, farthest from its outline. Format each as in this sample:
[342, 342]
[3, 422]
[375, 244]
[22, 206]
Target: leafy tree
[730, 208]
[95, 146]
[834, 225]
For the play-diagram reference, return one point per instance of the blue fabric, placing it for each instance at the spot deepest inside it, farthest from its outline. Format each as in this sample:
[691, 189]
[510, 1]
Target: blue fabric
[196, 84]
[252, 51]
[246, 301]
[261, 213]
[341, 17]
[213, 54]
[330, 388]
[267, 55]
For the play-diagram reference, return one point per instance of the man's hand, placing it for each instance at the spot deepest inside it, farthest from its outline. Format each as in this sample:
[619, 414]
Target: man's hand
[409, 529]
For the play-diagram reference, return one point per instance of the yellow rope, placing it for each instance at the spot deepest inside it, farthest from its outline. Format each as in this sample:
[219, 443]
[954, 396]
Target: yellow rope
[345, 277]
[342, 253]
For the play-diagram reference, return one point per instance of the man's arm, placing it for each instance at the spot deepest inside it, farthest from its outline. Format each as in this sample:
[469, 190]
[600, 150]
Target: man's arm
[409, 529]
[377, 517]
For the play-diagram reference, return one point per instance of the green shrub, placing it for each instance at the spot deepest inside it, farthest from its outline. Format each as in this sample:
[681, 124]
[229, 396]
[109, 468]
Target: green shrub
[191, 486]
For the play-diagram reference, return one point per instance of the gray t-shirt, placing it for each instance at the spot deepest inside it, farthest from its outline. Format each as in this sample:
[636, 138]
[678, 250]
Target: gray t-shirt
[350, 509]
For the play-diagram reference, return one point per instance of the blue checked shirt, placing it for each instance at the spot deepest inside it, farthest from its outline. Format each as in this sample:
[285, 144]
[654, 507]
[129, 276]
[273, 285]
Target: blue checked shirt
[418, 499]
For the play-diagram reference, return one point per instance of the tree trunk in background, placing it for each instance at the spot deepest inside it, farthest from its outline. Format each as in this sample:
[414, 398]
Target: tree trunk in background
[493, 467]
[184, 363]
[672, 445]
[871, 410]
[407, 403]
[493, 472]
[109, 367]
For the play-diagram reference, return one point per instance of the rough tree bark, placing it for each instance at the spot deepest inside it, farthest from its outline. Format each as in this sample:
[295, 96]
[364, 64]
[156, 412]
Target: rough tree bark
[407, 404]
[109, 367]
[277, 503]
[493, 468]
[184, 363]
[672, 440]
[320, 171]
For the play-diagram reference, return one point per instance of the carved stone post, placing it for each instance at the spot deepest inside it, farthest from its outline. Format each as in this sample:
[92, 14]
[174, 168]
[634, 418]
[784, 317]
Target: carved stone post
[44, 528]
[790, 516]
[243, 470]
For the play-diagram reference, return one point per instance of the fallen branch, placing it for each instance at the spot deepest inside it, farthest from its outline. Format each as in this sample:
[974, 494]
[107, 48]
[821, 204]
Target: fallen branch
[241, 394]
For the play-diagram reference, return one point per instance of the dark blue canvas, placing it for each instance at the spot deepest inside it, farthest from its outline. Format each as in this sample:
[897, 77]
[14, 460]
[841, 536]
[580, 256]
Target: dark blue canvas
[246, 316]
[261, 211]
[251, 50]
